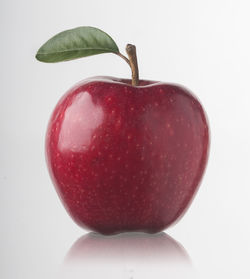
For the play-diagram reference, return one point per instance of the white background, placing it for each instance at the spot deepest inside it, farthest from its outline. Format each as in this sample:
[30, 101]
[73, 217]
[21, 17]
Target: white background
[204, 45]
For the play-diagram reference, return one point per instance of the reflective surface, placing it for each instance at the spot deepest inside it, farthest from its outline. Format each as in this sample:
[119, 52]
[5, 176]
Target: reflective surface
[126, 256]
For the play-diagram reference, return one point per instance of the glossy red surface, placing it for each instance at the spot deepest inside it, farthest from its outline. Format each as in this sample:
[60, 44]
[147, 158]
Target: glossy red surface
[126, 158]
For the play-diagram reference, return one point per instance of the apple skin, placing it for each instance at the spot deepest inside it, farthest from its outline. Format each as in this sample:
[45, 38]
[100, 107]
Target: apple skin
[127, 158]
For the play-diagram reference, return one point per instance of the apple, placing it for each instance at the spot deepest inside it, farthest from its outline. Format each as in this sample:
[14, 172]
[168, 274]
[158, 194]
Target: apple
[126, 155]
[126, 158]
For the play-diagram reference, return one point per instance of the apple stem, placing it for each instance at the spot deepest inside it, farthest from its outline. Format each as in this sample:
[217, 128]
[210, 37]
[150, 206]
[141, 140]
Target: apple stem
[131, 51]
[132, 62]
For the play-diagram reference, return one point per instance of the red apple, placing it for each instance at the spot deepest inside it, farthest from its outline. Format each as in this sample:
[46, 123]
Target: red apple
[127, 158]
[124, 155]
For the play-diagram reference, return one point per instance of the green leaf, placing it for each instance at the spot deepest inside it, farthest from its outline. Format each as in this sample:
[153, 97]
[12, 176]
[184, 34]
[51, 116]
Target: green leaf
[76, 43]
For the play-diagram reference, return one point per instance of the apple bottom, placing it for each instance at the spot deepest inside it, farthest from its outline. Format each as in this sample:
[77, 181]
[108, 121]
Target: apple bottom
[147, 210]
[127, 206]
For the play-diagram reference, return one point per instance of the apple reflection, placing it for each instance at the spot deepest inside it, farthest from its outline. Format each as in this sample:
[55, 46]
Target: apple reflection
[128, 254]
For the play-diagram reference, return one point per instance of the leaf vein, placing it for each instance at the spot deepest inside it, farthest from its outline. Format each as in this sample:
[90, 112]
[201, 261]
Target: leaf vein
[76, 49]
